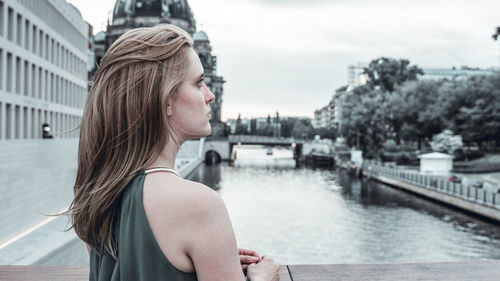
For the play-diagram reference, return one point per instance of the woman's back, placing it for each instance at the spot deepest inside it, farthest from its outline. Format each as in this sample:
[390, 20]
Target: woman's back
[139, 254]
[148, 97]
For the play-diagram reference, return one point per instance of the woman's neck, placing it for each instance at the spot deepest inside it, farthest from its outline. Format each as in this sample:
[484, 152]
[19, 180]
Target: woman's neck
[167, 156]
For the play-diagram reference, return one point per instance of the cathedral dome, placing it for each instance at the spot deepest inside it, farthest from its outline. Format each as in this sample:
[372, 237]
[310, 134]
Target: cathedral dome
[200, 36]
[165, 9]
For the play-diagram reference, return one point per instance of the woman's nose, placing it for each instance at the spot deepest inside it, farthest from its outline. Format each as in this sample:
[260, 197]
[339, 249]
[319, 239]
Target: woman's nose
[210, 97]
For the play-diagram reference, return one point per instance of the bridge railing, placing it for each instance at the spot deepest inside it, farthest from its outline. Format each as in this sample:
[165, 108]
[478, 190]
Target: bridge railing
[262, 139]
[441, 184]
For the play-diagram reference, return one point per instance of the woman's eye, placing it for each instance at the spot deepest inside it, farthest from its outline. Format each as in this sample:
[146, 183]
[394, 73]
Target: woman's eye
[200, 82]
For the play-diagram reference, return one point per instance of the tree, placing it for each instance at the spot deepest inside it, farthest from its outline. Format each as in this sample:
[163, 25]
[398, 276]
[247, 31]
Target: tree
[474, 109]
[267, 130]
[419, 116]
[227, 130]
[302, 129]
[364, 123]
[242, 129]
[325, 132]
[446, 142]
[253, 126]
[394, 109]
[374, 112]
[287, 127]
[238, 120]
[387, 73]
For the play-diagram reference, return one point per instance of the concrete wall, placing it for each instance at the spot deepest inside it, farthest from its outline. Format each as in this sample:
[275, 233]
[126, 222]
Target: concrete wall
[221, 147]
[36, 176]
[72, 253]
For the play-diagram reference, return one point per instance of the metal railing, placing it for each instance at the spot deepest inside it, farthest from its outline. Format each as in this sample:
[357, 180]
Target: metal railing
[436, 183]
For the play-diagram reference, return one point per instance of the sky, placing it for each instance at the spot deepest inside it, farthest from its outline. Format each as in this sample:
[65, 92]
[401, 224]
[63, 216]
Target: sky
[290, 55]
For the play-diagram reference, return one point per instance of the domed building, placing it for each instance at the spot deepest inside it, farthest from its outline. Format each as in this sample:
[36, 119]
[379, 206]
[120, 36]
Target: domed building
[214, 83]
[129, 14]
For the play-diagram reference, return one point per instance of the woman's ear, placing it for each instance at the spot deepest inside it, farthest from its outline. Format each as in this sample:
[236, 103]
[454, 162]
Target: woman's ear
[169, 111]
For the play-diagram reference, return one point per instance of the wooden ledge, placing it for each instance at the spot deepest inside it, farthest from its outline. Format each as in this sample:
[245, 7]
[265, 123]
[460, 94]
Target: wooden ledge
[488, 270]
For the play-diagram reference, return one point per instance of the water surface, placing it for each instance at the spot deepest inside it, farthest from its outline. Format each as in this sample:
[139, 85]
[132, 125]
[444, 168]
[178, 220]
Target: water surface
[306, 216]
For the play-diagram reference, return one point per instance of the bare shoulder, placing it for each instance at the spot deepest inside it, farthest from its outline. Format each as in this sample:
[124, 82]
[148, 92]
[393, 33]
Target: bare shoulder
[180, 196]
[194, 188]
[201, 201]
[182, 207]
[176, 208]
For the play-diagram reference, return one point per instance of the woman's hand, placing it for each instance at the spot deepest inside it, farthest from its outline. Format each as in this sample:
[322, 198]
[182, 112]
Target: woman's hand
[265, 270]
[248, 257]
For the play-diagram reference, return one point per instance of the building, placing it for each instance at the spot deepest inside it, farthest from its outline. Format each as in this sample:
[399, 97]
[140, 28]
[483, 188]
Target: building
[436, 163]
[322, 117]
[260, 122]
[453, 73]
[331, 114]
[337, 104]
[212, 80]
[129, 14]
[43, 62]
[254, 125]
[43, 85]
[354, 70]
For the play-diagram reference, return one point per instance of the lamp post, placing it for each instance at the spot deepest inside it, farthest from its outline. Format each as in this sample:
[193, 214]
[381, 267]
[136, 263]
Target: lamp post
[495, 37]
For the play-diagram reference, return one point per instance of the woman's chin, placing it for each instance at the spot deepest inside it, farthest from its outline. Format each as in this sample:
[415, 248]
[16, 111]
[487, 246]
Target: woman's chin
[205, 132]
[208, 130]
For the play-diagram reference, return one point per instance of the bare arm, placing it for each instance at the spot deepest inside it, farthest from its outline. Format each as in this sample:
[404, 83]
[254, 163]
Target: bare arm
[211, 243]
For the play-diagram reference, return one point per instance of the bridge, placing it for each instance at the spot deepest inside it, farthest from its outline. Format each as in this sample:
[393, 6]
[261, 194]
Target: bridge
[217, 149]
[263, 140]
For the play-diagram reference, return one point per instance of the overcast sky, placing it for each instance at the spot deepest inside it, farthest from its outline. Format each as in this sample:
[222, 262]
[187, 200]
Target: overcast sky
[291, 55]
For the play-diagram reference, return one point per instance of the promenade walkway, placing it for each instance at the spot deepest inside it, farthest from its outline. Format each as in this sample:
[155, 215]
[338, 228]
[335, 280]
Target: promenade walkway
[473, 199]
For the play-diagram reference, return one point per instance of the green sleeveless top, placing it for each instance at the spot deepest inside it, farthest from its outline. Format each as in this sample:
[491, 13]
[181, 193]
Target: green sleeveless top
[139, 255]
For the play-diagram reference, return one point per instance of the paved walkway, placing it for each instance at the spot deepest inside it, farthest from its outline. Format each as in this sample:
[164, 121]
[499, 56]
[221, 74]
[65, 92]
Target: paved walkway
[491, 177]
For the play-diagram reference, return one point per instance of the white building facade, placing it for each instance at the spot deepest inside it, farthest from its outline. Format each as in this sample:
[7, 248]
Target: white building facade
[453, 73]
[43, 68]
[436, 163]
[323, 117]
[43, 80]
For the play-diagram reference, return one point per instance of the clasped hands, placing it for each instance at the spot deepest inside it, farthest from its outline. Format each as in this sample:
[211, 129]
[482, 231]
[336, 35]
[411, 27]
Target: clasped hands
[248, 257]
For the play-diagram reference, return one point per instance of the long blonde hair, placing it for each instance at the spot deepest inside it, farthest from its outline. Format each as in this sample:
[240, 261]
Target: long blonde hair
[124, 126]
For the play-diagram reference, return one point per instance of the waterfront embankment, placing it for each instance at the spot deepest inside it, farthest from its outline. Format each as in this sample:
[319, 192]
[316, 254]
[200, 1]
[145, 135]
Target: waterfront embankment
[472, 199]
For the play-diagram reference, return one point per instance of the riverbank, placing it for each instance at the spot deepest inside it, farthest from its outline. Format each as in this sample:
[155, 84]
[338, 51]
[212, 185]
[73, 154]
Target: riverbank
[472, 199]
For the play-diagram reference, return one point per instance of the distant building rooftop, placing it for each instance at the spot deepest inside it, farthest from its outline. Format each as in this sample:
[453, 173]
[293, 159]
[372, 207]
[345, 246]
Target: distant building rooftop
[435, 155]
[453, 73]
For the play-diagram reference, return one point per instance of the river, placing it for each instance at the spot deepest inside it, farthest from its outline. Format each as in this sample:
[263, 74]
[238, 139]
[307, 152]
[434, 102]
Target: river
[307, 216]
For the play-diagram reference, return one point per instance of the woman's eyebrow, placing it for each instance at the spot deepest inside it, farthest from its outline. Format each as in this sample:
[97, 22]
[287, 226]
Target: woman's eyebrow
[199, 77]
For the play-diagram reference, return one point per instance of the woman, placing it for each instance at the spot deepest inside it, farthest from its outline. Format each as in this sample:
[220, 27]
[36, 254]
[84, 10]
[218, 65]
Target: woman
[139, 218]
